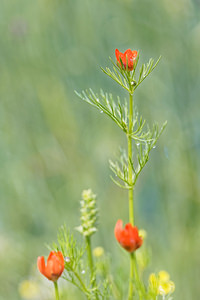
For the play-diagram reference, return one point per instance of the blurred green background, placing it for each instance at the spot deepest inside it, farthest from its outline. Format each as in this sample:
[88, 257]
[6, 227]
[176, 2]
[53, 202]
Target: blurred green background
[52, 145]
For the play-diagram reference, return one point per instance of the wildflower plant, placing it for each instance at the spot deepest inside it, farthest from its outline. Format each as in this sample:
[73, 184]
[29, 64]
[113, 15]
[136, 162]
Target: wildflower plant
[87, 268]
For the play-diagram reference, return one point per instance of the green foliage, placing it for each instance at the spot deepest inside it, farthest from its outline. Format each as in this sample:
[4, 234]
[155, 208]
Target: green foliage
[77, 264]
[133, 125]
[115, 109]
[145, 143]
[145, 70]
[127, 79]
[120, 75]
[80, 270]
[143, 149]
[73, 255]
[72, 252]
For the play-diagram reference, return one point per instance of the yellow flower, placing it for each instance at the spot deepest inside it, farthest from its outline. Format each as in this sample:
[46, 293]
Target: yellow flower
[161, 284]
[98, 251]
[28, 289]
[142, 233]
[165, 285]
[163, 276]
[166, 288]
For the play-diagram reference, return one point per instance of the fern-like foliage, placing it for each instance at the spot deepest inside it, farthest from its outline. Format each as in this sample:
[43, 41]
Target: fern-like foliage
[138, 134]
[131, 123]
[120, 169]
[119, 75]
[145, 70]
[116, 110]
[73, 255]
[143, 148]
[128, 80]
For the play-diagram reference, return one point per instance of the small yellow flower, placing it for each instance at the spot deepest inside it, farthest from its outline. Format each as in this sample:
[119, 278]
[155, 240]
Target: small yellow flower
[28, 289]
[142, 233]
[98, 252]
[166, 288]
[161, 284]
[163, 276]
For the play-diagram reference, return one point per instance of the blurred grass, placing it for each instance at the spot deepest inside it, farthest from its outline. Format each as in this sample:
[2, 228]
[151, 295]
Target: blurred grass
[52, 145]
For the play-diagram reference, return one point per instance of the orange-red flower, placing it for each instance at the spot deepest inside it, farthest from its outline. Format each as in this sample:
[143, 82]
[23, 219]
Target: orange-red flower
[128, 237]
[129, 56]
[54, 267]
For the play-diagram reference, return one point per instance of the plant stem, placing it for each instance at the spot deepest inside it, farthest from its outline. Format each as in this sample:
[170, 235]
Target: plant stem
[83, 287]
[90, 259]
[130, 294]
[137, 278]
[136, 270]
[56, 290]
[130, 157]
[89, 254]
[130, 192]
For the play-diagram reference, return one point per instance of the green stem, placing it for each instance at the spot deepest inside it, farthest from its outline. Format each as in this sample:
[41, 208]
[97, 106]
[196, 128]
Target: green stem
[137, 278]
[90, 259]
[89, 254]
[56, 290]
[83, 287]
[130, 193]
[130, 294]
[130, 157]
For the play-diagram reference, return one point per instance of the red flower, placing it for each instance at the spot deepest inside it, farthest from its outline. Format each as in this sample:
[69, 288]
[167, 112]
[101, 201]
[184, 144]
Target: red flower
[128, 237]
[127, 55]
[55, 265]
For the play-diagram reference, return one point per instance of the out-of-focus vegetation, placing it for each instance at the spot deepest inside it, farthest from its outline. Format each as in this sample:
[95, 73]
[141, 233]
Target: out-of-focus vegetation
[52, 146]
